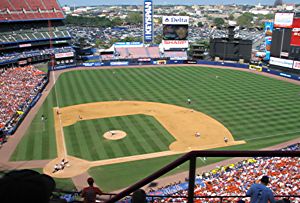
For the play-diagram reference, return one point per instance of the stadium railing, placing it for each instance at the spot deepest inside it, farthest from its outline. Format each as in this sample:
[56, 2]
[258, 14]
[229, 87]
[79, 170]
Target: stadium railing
[191, 157]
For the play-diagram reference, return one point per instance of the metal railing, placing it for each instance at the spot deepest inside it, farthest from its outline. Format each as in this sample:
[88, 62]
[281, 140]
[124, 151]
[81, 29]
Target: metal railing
[191, 157]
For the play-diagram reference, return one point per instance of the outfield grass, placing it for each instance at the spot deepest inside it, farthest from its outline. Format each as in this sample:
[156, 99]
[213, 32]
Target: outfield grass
[144, 135]
[254, 108]
[129, 173]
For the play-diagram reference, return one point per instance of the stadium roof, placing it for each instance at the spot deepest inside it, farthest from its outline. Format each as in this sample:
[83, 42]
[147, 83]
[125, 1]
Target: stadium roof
[25, 10]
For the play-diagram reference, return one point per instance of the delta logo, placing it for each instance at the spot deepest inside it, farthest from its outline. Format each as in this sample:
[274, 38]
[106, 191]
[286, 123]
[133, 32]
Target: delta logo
[178, 20]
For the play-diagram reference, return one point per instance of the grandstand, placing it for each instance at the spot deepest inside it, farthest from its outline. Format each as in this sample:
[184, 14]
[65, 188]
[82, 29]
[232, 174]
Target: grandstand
[226, 183]
[176, 55]
[33, 31]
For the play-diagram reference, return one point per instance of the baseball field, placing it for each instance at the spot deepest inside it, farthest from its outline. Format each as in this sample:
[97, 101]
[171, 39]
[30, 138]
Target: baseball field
[150, 106]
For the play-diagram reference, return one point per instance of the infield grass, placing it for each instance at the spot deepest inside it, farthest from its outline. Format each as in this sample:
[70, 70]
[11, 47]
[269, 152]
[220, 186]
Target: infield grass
[144, 135]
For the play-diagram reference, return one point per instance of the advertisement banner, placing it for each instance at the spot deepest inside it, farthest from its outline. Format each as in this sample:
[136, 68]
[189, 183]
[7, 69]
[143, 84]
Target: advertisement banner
[281, 62]
[256, 68]
[64, 55]
[22, 62]
[295, 38]
[296, 65]
[148, 21]
[175, 20]
[175, 32]
[119, 63]
[283, 20]
[24, 45]
[128, 44]
[169, 44]
[268, 39]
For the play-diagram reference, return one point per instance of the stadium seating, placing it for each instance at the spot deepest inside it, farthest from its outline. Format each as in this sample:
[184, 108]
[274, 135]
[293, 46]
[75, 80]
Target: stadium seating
[18, 88]
[153, 52]
[107, 57]
[236, 179]
[176, 55]
[138, 52]
[14, 10]
[34, 35]
[32, 53]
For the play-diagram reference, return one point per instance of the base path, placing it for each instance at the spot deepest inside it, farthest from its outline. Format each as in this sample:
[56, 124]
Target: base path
[182, 123]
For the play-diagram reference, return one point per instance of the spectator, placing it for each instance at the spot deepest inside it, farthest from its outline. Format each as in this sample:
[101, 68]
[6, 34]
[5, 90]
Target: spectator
[260, 193]
[26, 186]
[236, 178]
[18, 88]
[89, 193]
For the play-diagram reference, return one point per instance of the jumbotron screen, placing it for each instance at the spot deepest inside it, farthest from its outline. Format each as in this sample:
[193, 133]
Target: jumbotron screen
[175, 32]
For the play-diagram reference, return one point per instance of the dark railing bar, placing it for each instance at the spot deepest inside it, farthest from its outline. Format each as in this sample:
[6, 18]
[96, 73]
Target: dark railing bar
[150, 178]
[188, 156]
[192, 174]
[217, 196]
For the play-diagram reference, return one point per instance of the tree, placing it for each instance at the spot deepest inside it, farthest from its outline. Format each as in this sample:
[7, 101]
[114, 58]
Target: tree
[183, 13]
[270, 16]
[245, 20]
[88, 21]
[200, 24]
[117, 21]
[159, 21]
[219, 22]
[158, 39]
[134, 18]
[231, 17]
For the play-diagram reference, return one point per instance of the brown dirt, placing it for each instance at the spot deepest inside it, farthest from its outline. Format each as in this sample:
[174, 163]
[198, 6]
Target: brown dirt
[181, 122]
[8, 148]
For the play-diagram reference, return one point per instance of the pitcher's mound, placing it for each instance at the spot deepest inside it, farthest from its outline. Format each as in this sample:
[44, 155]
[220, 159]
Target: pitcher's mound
[114, 135]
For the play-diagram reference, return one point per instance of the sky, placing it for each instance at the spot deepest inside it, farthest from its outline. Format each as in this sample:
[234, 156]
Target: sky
[161, 2]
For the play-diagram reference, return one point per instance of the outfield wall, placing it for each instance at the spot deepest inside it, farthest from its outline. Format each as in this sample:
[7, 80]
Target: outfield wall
[200, 62]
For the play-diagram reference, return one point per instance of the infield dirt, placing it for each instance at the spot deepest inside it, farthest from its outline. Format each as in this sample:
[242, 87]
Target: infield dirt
[180, 122]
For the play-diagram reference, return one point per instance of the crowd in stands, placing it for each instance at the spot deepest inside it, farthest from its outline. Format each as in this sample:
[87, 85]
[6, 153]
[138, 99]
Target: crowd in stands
[18, 87]
[32, 53]
[137, 52]
[236, 179]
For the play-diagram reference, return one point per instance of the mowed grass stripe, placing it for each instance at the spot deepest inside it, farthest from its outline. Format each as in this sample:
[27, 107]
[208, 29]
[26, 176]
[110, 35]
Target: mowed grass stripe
[139, 140]
[90, 86]
[122, 143]
[72, 142]
[142, 134]
[162, 137]
[104, 151]
[128, 139]
[151, 139]
[242, 101]
[107, 147]
[135, 136]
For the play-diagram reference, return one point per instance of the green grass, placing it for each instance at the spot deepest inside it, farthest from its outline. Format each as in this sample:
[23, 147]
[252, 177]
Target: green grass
[250, 106]
[130, 172]
[144, 135]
